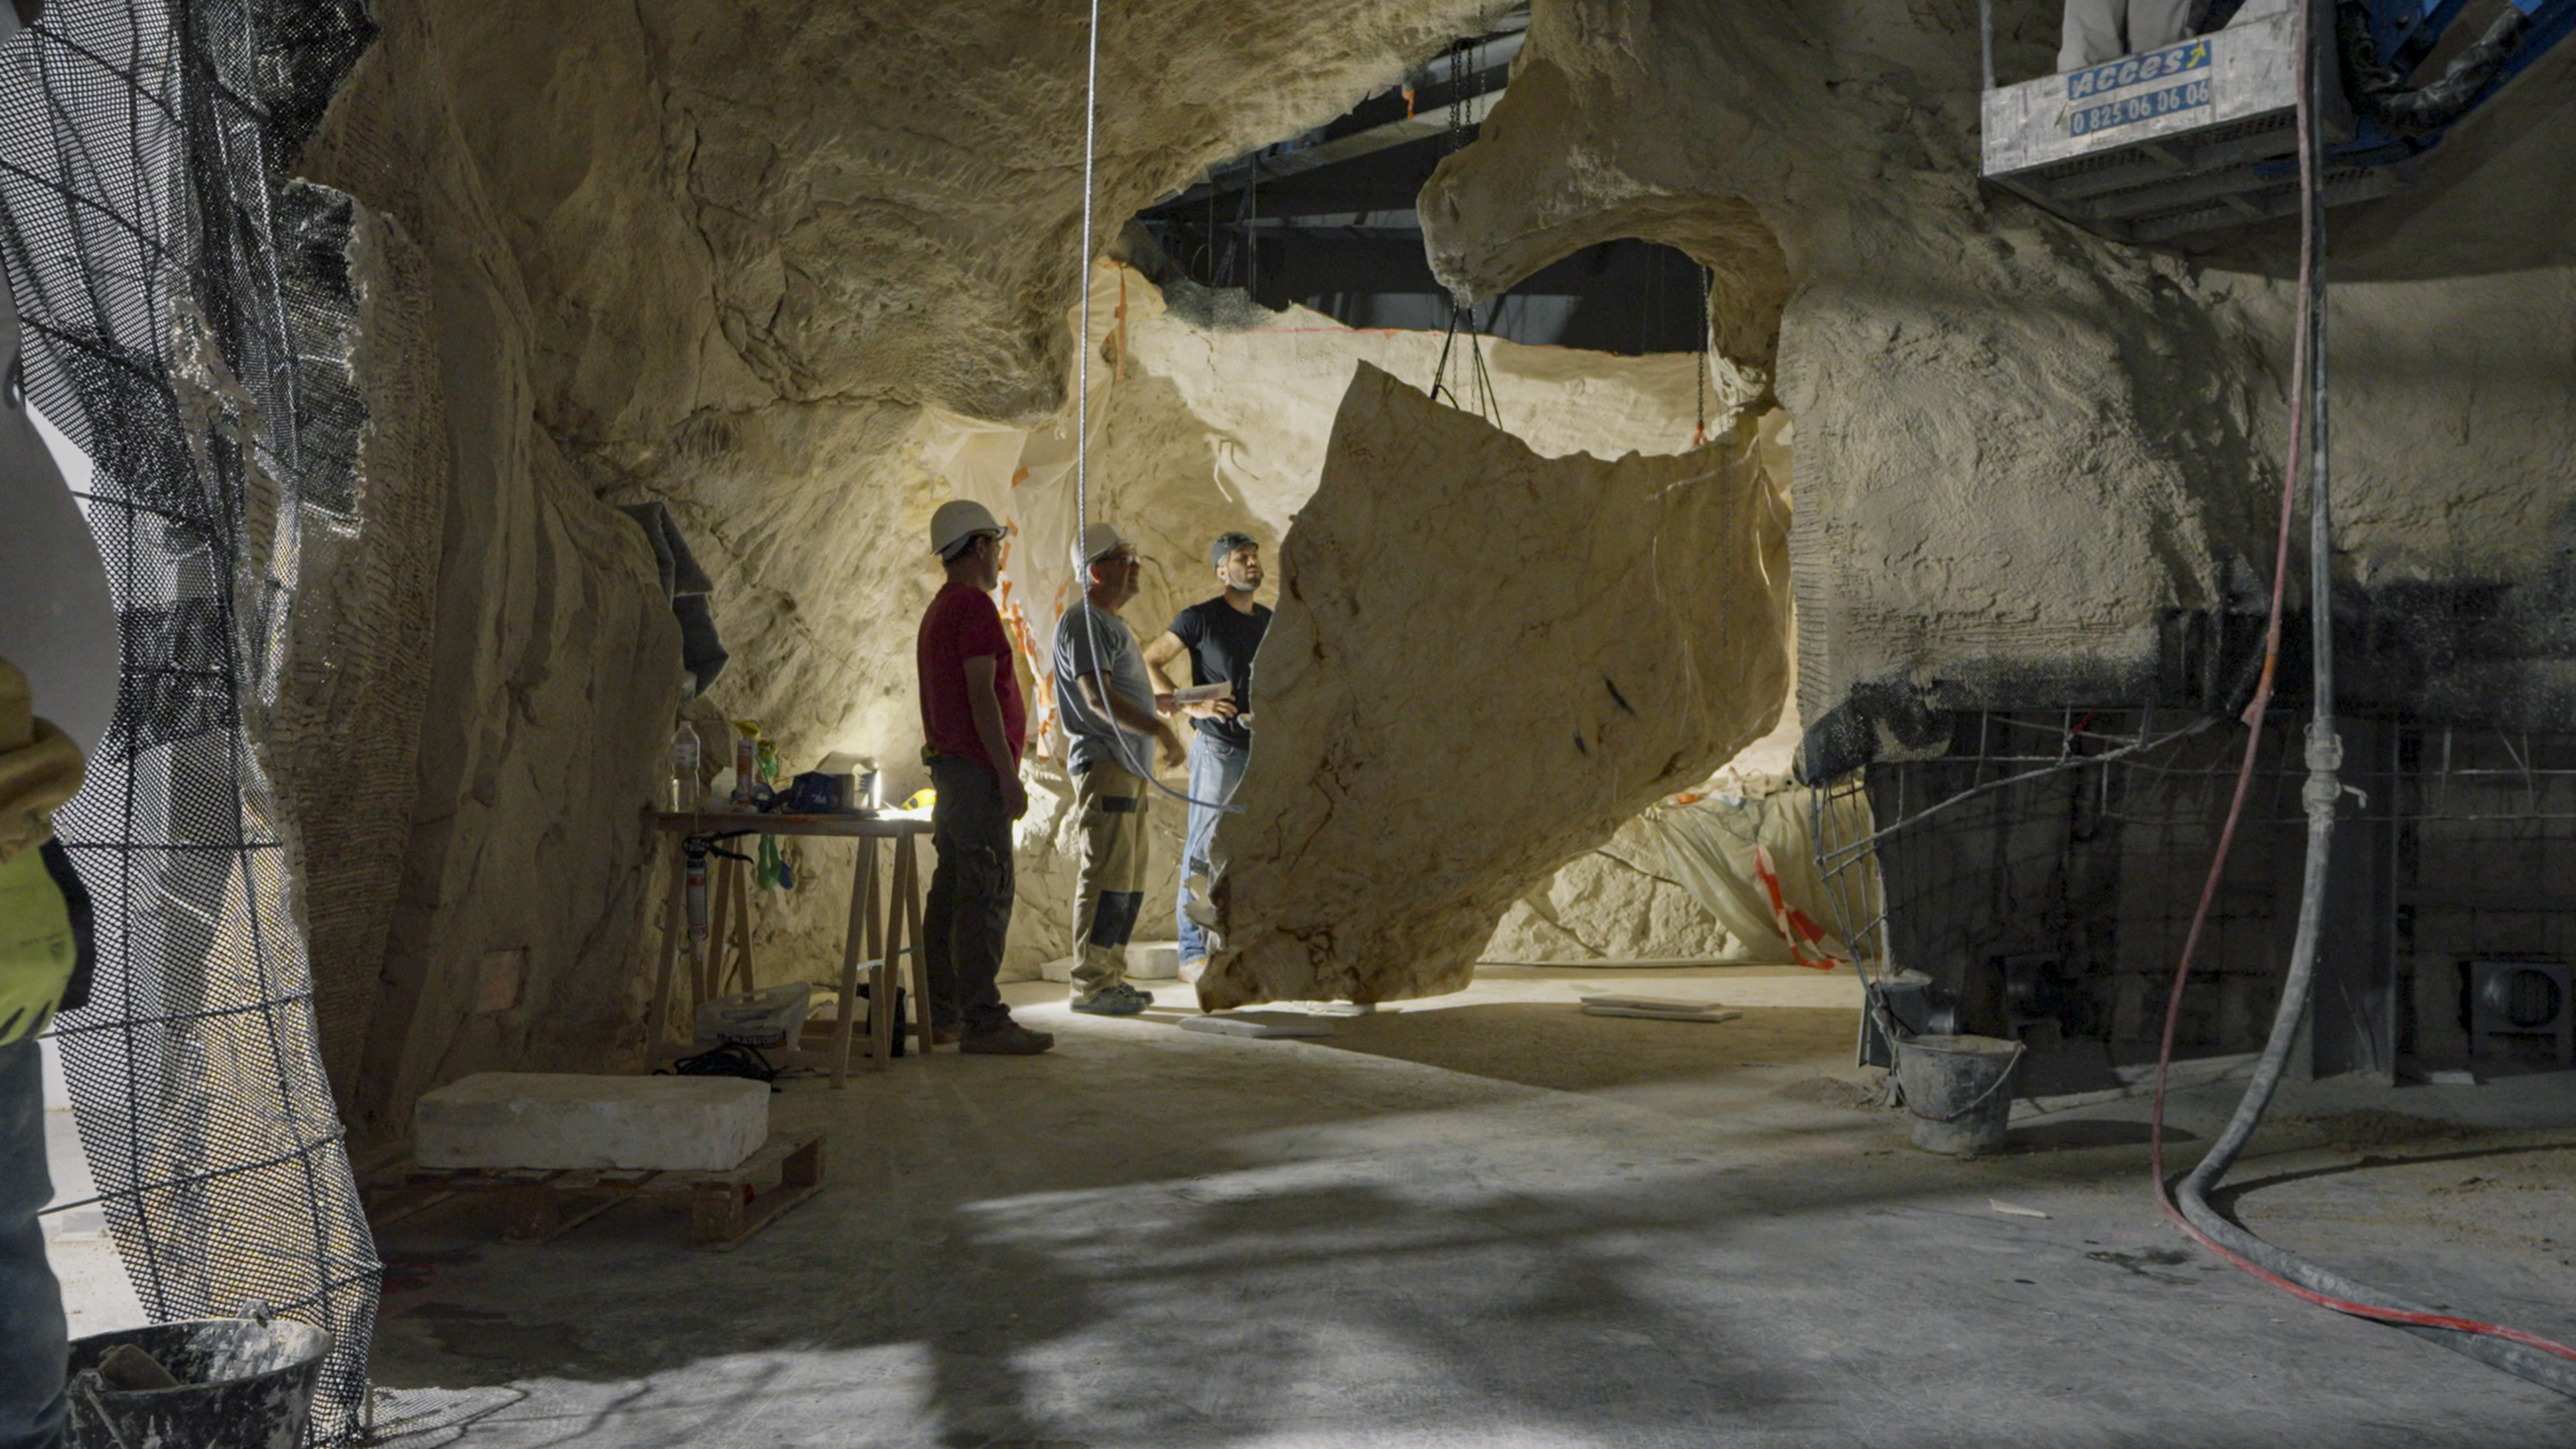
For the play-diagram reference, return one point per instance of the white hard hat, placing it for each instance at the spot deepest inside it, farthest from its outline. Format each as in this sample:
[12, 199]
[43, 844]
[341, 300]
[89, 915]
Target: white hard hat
[1099, 541]
[958, 520]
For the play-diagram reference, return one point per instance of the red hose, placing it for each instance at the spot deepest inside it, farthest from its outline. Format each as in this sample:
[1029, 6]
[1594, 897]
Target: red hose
[2301, 374]
[2400, 1316]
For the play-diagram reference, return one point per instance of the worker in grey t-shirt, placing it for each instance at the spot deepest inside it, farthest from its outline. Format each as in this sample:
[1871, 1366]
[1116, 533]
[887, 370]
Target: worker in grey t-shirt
[2100, 30]
[1115, 724]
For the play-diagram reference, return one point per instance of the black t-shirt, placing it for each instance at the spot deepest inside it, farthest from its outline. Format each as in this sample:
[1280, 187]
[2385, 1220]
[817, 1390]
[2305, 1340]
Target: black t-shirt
[1221, 640]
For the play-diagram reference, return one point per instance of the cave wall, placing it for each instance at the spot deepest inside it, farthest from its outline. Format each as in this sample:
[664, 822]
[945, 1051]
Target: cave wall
[552, 657]
[2015, 443]
[2022, 447]
[341, 742]
[664, 256]
[749, 261]
[1208, 414]
[1216, 414]
[2020, 444]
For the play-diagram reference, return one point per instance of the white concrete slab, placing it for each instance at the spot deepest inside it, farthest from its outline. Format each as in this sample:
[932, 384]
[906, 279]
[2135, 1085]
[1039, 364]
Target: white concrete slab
[564, 1120]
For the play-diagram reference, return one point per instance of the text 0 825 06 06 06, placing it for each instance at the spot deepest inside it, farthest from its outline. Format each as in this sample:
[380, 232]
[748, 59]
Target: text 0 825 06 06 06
[2129, 110]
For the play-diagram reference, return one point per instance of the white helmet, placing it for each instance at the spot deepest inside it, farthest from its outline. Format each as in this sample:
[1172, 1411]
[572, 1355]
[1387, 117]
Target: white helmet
[958, 520]
[1099, 541]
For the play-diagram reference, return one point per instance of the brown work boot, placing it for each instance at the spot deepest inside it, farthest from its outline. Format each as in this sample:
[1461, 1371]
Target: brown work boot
[1007, 1040]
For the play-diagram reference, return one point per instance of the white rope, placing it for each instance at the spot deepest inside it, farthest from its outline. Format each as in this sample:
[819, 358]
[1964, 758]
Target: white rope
[1082, 367]
[1082, 436]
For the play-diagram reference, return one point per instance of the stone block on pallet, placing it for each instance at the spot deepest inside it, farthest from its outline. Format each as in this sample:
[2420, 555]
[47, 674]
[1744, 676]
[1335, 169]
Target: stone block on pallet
[563, 1120]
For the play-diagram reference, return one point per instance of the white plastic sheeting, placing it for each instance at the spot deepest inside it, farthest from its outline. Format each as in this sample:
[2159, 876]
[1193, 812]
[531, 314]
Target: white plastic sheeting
[1747, 853]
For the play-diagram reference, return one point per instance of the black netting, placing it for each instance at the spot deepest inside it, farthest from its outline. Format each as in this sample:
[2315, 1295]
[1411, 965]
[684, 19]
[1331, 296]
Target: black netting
[2061, 854]
[188, 317]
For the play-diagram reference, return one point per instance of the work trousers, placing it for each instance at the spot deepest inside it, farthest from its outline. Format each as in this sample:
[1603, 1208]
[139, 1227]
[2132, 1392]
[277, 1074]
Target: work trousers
[2100, 30]
[967, 919]
[1112, 802]
[1215, 769]
[34, 1340]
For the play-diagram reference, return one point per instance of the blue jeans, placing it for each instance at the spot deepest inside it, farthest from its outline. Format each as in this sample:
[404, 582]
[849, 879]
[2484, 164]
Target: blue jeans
[1215, 769]
[34, 1340]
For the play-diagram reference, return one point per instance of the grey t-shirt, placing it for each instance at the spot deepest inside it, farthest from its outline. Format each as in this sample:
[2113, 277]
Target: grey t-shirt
[1104, 645]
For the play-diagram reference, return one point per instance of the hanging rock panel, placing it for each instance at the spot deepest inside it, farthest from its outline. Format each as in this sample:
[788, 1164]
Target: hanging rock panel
[1483, 662]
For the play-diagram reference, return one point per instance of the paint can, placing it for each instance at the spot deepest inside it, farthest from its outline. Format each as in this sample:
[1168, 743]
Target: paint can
[244, 1383]
[1959, 1091]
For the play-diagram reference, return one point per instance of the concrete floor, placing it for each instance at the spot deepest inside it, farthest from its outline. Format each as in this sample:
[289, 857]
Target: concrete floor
[1492, 1221]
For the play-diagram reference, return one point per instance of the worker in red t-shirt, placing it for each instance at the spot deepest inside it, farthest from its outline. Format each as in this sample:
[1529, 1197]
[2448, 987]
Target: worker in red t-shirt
[973, 727]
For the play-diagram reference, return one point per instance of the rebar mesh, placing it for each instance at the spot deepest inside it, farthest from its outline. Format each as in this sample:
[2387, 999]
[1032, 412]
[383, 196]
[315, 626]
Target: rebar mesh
[184, 326]
[2082, 837]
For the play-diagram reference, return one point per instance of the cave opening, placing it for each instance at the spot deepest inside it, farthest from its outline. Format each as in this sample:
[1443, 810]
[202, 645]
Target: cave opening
[1326, 220]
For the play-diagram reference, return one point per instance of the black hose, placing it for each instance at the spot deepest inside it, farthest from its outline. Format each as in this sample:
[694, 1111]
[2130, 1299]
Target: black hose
[2380, 92]
[2537, 1359]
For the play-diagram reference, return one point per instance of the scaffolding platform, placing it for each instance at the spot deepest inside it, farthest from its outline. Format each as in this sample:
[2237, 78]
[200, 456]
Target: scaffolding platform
[2191, 138]
[2202, 136]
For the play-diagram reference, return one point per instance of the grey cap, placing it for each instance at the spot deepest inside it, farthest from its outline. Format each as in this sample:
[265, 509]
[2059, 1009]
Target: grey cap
[1226, 544]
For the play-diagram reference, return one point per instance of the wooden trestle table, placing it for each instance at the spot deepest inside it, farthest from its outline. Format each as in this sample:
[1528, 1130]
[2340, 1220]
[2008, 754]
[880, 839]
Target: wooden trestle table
[878, 931]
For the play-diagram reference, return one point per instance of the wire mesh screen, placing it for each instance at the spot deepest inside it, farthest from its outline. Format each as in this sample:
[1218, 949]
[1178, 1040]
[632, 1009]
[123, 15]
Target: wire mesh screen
[2047, 865]
[184, 326]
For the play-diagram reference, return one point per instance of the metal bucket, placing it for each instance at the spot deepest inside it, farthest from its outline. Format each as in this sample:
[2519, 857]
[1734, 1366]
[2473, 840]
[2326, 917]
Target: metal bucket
[244, 1383]
[1959, 1089]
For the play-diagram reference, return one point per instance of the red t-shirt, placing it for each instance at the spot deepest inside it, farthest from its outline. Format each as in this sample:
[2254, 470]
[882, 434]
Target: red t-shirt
[962, 624]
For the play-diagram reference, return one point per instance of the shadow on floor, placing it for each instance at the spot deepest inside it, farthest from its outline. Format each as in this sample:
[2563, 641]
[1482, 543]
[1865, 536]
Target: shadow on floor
[2061, 1136]
[1558, 1047]
[2225, 1198]
[1151, 1238]
[1523, 1306]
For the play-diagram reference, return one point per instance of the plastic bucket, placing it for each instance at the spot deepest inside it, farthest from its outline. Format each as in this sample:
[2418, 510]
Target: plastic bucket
[243, 1384]
[1959, 1089]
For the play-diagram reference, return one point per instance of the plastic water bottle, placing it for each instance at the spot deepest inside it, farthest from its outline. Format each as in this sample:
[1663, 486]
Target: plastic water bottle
[684, 767]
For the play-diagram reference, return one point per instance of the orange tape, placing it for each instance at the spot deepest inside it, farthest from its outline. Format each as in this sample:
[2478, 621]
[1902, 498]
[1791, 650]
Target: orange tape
[1796, 926]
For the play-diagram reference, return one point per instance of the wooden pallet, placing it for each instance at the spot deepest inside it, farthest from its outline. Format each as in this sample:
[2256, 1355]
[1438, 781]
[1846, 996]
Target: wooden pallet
[538, 1206]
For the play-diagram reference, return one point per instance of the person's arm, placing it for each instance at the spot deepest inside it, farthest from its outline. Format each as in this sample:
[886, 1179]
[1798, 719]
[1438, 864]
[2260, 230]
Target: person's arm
[1158, 654]
[987, 704]
[1134, 716]
[1161, 652]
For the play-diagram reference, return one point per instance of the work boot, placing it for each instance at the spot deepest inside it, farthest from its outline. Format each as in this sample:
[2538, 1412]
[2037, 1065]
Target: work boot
[1010, 1039]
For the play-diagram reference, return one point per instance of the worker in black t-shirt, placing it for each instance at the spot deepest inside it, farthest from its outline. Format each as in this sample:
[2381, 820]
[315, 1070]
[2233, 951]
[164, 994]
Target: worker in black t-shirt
[1221, 636]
